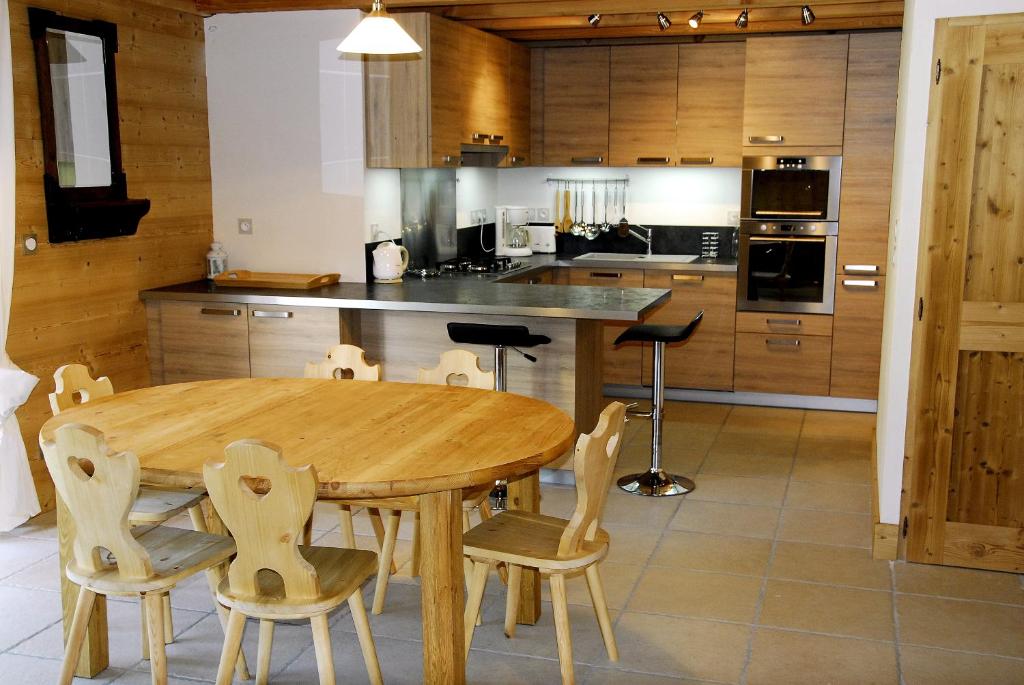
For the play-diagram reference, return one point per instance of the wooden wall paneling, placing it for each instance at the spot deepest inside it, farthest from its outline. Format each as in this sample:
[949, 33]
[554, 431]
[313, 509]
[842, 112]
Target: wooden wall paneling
[870, 130]
[576, 109]
[857, 336]
[709, 126]
[643, 103]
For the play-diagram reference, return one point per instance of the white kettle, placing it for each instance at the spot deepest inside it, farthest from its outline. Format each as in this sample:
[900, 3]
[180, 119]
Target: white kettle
[389, 262]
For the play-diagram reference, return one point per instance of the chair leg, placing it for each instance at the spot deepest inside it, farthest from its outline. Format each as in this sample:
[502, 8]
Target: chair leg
[387, 556]
[168, 621]
[378, 529]
[322, 647]
[307, 532]
[76, 636]
[155, 632]
[475, 599]
[515, 576]
[145, 632]
[560, 608]
[414, 567]
[467, 563]
[263, 654]
[348, 531]
[597, 596]
[485, 510]
[362, 622]
[232, 646]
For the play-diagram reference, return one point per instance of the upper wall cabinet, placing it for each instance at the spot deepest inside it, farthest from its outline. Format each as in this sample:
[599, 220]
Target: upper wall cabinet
[795, 94]
[576, 108]
[642, 127]
[710, 104]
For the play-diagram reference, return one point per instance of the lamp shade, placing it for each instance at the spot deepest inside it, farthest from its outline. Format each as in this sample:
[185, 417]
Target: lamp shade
[379, 34]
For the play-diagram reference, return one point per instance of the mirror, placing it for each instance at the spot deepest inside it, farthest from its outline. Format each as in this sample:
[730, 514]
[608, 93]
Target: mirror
[84, 182]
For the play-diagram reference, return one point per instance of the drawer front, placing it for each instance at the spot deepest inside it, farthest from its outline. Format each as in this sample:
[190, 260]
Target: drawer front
[622, 363]
[857, 337]
[609, 278]
[787, 364]
[789, 324]
[282, 338]
[203, 341]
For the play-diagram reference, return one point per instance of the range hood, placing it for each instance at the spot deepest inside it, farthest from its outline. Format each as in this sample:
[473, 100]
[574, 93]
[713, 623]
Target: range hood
[476, 155]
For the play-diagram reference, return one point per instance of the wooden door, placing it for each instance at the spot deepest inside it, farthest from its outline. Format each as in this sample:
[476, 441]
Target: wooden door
[622, 362]
[519, 102]
[576, 108]
[642, 128]
[484, 86]
[709, 126]
[448, 104]
[965, 438]
[857, 336]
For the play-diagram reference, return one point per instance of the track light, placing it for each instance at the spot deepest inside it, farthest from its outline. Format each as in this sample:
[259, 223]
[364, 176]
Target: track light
[742, 19]
[594, 19]
[663, 22]
[806, 15]
[696, 19]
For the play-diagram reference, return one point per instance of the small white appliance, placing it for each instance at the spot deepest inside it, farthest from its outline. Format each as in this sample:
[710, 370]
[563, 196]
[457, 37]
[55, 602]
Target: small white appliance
[542, 238]
[512, 237]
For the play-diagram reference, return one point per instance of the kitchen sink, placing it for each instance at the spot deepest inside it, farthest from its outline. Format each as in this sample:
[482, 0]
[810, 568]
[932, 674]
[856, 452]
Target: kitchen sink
[639, 258]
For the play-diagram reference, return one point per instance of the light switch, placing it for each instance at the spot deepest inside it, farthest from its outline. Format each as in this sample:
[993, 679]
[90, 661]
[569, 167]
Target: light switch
[29, 243]
[245, 226]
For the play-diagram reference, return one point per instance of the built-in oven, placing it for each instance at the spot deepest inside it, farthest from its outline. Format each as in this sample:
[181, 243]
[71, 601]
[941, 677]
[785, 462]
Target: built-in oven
[791, 188]
[787, 266]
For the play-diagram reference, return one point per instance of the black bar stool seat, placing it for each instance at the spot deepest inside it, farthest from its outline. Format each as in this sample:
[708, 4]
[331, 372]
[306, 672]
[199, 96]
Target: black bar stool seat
[495, 335]
[647, 332]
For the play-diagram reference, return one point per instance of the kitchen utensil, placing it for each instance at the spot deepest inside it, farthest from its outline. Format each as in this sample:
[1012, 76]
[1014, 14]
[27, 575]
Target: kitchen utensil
[605, 226]
[558, 205]
[623, 222]
[241, 278]
[389, 262]
[566, 219]
[578, 226]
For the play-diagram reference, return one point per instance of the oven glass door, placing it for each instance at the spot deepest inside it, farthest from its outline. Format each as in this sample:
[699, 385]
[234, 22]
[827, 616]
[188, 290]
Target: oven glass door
[783, 273]
[789, 194]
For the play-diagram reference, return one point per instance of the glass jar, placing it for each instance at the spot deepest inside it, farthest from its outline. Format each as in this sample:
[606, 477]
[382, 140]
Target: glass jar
[216, 260]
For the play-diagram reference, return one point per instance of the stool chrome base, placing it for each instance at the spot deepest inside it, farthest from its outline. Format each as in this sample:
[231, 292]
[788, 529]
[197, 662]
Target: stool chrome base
[656, 483]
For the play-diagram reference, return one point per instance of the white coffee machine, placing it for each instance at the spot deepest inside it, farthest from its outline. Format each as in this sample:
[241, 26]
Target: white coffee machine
[512, 234]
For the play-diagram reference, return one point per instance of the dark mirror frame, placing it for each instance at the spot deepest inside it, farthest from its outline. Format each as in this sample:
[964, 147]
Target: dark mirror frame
[82, 213]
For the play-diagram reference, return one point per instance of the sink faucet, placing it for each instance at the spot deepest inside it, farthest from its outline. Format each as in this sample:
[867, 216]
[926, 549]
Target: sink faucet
[647, 239]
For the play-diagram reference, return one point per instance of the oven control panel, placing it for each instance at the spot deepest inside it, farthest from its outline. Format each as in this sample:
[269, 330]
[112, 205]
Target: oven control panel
[795, 228]
[790, 162]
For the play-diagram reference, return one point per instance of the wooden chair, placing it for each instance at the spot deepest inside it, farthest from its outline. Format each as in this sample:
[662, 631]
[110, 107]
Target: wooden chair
[110, 557]
[265, 504]
[552, 545]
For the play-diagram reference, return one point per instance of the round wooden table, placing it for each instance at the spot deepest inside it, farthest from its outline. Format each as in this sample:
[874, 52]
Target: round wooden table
[365, 440]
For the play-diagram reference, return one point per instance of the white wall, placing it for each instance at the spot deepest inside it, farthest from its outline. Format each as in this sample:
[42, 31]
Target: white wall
[916, 74]
[286, 141]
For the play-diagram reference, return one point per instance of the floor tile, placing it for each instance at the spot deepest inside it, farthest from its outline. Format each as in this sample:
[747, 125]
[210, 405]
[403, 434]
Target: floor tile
[826, 527]
[630, 544]
[539, 640]
[762, 444]
[959, 624]
[27, 670]
[618, 581]
[588, 675]
[850, 497]
[722, 553]
[829, 564]
[41, 527]
[739, 490]
[828, 609]
[962, 583]
[726, 519]
[685, 456]
[622, 508]
[838, 424]
[764, 420]
[804, 659]
[697, 594]
[925, 666]
[17, 553]
[701, 414]
[42, 575]
[26, 612]
[747, 464]
[140, 678]
[834, 447]
[832, 469]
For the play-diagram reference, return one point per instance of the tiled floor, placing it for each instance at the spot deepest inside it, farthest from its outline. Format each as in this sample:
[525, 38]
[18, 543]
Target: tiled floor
[762, 575]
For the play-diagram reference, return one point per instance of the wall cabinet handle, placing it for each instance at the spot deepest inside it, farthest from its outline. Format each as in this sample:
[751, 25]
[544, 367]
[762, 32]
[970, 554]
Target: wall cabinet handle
[653, 160]
[212, 311]
[479, 137]
[687, 278]
[855, 283]
[788, 342]
[783, 322]
[495, 138]
[452, 160]
[588, 160]
[766, 140]
[516, 159]
[605, 274]
[696, 161]
[861, 268]
[260, 314]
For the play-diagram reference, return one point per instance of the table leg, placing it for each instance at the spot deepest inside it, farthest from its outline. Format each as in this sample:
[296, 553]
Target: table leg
[94, 656]
[524, 495]
[441, 587]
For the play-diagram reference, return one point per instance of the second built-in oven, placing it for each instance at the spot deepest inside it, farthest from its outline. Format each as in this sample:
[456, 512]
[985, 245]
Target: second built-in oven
[787, 266]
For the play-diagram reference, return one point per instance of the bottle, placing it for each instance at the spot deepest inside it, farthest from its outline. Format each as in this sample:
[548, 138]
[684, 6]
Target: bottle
[216, 260]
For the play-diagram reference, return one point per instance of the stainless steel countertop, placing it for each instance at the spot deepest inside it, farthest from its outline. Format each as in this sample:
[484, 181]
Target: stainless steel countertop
[541, 262]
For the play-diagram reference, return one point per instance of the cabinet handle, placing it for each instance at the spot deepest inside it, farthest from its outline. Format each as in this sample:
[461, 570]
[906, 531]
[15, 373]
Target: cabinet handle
[495, 138]
[516, 159]
[782, 343]
[653, 160]
[452, 159]
[861, 268]
[588, 160]
[687, 278]
[854, 283]
[605, 274]
[783, 322]
[210, 311]
[260, 314]
[533, 281]
[766, 140]
[695, 161]
[478, 137]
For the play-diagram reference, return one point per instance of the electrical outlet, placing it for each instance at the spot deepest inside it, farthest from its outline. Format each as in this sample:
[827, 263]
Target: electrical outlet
[245, 226]
[478, 216]
[543, 214]
[531, 214]
[733, 218]
[29, 243]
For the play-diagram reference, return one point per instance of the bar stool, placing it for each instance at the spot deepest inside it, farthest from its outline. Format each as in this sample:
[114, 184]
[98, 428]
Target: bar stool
[501, 337]
[655, 482]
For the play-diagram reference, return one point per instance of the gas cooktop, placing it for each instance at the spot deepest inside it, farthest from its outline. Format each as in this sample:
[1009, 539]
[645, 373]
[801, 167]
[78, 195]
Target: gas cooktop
[478, 265]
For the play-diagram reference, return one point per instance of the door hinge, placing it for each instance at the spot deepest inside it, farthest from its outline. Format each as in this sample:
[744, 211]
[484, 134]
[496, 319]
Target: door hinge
[920, 308]
[938, 71]
[906, 524]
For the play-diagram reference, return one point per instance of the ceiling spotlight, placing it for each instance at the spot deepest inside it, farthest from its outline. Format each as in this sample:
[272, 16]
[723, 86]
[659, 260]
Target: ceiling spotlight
[742, 19]
[806, 15]
[594, 19]
[663, 22]
[695, 20]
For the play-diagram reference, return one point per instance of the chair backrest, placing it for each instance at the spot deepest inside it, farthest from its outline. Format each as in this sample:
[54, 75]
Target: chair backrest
[344, 358]
[74, 378]
[264, 503]
[98, 488]
[456, 363]
[594, 466]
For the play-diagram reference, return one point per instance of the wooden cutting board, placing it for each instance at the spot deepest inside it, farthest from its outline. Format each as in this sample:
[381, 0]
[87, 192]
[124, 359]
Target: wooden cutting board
[241, 278]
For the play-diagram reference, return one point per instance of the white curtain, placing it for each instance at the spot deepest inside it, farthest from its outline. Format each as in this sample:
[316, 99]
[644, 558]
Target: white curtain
[17, 491]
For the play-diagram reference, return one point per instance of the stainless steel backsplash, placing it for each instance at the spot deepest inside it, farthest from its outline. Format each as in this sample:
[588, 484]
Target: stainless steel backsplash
[428, 216]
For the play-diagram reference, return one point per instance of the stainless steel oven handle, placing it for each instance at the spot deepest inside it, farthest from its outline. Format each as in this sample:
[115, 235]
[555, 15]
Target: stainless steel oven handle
[785, 212]
[785, 343]
[786, 239]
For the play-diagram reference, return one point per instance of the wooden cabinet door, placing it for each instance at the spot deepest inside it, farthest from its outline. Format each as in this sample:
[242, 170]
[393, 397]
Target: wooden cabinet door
[519, 103]
[642, 128]
[449, 105]
[203, 341]
[965, 441]
[868, 152]
[622, 362]
[283, 338]
[483, 61]
[788, 364]
[709, 122]
[857, 336]
[795, 91]
[706, 360]
[576, 109]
